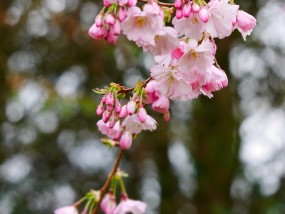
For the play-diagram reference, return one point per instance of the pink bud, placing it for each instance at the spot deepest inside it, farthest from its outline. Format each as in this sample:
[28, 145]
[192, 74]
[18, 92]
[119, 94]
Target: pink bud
[126, 140]
[112, 122]
[142, 115]
[166, 116]
[116, 28]
[99, 20]
[161, 104]
[109, 108]
[178, 4]
[109, 19]
[187, 10]
[106, 116]
[123, 112]
[122, 14]
[132, 3]
[106, 3]
[195, 8]
[111, 38]
[100, 109]
[109, 99]
[117, 106]
[108, 204]
[131, 107]
[179, 14]
[204, 15]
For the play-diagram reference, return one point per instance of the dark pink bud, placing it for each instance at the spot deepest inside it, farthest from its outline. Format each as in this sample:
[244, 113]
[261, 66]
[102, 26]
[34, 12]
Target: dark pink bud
[100, 109]
[187, 10]
[117, 106]
[123, 112]
[106, 3]
[111, 38]
[178, 4]
[106, 116]
[109, 99]
[117, 28]
[126, 140]
[99, 20]
[122, 13]
[131, 107]
[142, 115]
[204, 15]
[132, 3]
[195, 8]
[179, 14]
[109, 19]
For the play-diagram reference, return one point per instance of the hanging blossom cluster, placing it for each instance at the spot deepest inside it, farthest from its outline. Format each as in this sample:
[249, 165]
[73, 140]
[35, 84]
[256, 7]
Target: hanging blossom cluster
[181, 38]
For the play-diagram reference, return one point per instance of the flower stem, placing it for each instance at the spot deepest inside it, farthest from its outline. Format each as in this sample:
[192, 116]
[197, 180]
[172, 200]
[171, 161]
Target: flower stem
[108, 181]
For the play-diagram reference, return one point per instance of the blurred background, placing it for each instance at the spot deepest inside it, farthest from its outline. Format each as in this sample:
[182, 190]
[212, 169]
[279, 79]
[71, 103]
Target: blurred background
[220, 155]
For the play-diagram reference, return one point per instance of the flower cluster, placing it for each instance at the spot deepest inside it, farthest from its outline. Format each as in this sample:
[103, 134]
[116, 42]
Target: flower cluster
[181, 38]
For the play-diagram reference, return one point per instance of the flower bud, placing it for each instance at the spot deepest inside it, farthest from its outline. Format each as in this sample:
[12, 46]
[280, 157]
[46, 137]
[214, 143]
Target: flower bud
[106, 116]
[195, 8]
[204, 15]
[109, 19]
[100, 109]
[106, 3]
[142, 115]
[99, 20]
[124, 112]
[126, 140]
[178, 4]
[122, 14]
[66, 210]
[187, 10]
[179, 14]
[112, 122]
[132, 3]
[116, 28]
[109, 99]
[131, 107]
[111, 38]
[117, 106]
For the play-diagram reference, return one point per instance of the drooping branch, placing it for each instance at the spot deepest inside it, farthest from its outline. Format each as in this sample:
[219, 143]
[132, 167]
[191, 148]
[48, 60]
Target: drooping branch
[126, 89]
[159, 3]
[104, 189]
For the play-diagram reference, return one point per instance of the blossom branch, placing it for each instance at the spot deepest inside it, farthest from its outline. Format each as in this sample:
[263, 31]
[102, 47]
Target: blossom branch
[108, 181]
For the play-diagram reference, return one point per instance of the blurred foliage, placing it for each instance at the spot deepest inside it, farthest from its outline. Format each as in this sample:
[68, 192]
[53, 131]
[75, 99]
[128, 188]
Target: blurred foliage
[50, 151]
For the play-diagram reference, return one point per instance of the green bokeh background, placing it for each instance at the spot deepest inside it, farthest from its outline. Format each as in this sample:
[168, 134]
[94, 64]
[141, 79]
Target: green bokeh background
[50, 153]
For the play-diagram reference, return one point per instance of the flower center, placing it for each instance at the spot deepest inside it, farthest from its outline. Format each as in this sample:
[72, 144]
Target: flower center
[193, 55]
[195, 21]
[140, 21]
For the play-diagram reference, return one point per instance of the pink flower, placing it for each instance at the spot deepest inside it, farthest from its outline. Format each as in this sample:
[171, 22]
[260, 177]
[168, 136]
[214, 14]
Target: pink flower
[196, 56]
[130, 206]
[151, 92]
[142, 26]
[165, 41]
[245, 23]
[215, 80]
[221, 16]
[170, 82]
[108, 204]
[135, 126]
[66, 210]
[161, 104]
[191, 27]
[113, 133]
[126, 140]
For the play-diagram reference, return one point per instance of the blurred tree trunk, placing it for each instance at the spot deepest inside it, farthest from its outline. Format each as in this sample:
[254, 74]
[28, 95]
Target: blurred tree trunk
[215, 147]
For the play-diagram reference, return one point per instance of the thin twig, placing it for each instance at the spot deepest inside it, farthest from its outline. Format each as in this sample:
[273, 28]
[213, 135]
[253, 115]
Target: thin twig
[160, 3]
[126, 89]
[108, 181]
